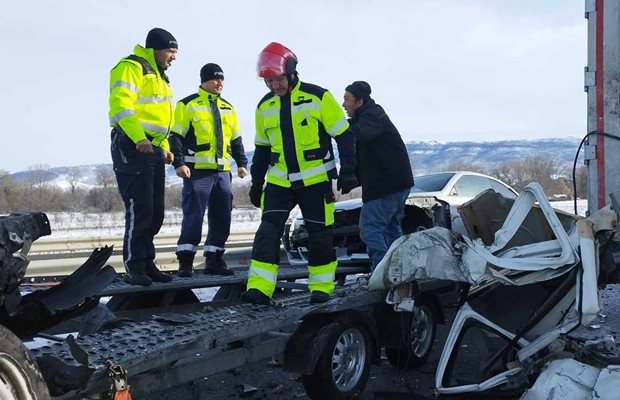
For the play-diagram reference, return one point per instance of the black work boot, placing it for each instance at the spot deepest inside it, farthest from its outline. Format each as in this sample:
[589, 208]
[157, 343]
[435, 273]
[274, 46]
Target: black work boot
[215, 265]
[137, 278]
[186, 265]
[318, 297]
[255, 296]
[155, 274]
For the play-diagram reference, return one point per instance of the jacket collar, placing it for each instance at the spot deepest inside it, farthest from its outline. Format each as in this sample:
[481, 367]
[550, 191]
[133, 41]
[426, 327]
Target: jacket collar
[206, 95]
[147, 54]
[364, 107]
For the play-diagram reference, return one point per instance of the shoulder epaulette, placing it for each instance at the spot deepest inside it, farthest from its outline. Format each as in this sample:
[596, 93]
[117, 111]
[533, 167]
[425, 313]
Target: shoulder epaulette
[312, 89]
[146, 67]
[266, 97]
[189, 98]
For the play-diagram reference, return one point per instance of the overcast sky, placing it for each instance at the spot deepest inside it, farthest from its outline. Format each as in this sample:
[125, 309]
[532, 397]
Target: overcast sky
[443, 70]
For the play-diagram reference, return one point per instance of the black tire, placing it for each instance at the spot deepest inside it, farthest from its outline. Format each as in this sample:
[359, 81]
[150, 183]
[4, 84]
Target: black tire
[20, 378]
[341, 372]
[417, 341]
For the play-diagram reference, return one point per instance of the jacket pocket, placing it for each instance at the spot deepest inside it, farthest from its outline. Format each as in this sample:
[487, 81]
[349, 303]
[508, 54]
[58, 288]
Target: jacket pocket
[315, 154]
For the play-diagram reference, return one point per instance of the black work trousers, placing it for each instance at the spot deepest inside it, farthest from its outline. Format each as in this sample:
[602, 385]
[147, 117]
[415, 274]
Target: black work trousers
[316, 204]
[141, 183]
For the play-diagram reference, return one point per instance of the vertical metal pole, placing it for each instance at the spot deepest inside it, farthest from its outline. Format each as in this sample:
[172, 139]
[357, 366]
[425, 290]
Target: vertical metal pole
[603, 153]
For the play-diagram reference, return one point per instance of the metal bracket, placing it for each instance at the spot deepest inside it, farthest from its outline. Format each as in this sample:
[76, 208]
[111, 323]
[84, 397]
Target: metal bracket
[589, 152]
[590, 6]
[589, 78]
[118, 376]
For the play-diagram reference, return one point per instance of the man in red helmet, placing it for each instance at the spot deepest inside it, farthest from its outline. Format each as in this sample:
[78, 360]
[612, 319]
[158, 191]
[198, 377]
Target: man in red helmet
[295, 123]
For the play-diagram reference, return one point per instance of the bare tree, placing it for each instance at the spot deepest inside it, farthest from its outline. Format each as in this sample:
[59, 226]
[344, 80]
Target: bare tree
[105, 176]
[509, 173]
[581, 176]
[105, 198]
[10, 193]
[73, 178]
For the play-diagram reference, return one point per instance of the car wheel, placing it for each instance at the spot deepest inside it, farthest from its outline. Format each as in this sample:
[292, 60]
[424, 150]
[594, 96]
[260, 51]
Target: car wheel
[20, 379]
[418, 340]
[341, 373]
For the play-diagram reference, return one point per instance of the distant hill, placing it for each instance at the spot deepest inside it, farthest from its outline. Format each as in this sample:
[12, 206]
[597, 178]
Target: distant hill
[425, 156]
[433, 156]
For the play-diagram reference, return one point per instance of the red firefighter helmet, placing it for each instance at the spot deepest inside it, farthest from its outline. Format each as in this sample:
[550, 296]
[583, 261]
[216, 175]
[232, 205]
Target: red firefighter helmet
[276, 60]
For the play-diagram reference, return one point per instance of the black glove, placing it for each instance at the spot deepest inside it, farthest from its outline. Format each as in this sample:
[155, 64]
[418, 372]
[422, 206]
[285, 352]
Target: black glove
[346, 183]
[256, 192]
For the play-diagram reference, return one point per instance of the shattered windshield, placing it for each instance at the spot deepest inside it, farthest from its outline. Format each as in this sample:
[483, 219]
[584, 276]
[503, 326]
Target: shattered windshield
[431, 183]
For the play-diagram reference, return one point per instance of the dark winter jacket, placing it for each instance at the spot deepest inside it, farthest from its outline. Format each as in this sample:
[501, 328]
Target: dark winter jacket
[382, 161]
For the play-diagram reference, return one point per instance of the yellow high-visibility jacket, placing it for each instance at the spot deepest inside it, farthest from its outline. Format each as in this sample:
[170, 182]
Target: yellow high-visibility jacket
[141, 98]
[195, 122]
[297, 131]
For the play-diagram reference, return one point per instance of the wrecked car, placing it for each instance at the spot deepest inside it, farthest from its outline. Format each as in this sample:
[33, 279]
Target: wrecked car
[433, 201]
[533, 276]
[22, 316]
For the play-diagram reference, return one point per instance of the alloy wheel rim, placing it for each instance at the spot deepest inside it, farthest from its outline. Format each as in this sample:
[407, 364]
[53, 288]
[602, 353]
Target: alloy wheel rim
[14, 383]
[348, 359]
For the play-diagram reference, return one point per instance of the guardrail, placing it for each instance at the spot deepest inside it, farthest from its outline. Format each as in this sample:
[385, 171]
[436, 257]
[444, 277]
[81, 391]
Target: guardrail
[52, 258]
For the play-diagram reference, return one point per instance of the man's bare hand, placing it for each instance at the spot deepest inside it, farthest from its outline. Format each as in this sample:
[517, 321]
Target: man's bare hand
[242, 172]
[183, 171]
[169, 156]
[145, 146]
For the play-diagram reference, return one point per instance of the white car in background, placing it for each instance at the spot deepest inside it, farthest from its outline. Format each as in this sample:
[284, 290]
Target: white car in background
[433, 201]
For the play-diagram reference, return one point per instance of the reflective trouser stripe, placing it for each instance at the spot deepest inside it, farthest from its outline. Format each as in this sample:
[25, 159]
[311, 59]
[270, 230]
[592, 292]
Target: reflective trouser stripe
[187, 247]
[212, 249]
[262, 276]
[322, 277]
[132, 224]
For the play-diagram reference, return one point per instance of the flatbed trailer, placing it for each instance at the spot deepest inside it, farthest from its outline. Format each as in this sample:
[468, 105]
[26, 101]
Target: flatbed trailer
[167, 348]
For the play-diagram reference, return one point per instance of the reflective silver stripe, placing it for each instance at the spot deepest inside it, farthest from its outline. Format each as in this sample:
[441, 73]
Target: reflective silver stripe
[257, 271]
[306, 106]
[193, 109]
[193, 159]
[223, 161]
[277, 172]
[121, 115]
[132, 223]
[187, 247]
[298, 176]
[178, 129]
[261, 141]
[323, 278]
[222, 112]
[212, 249]
[270, 113]
[154, 128]
[335, 129]
[154, 99]
[124, 84]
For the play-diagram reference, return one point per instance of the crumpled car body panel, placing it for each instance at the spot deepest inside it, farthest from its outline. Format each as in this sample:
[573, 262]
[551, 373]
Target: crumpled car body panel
[516, 252]
[568, 379]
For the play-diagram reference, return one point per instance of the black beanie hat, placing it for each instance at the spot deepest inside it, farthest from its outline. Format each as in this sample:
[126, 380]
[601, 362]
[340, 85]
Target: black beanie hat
[211, 71]
[159, 39]
[360, 90]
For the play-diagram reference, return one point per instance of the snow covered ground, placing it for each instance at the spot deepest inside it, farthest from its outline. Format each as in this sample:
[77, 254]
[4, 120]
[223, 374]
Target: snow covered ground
[67, 224]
